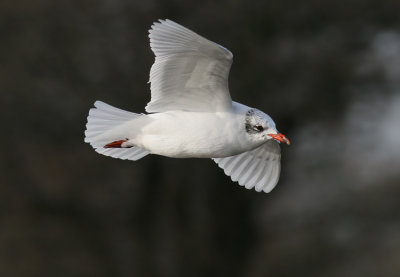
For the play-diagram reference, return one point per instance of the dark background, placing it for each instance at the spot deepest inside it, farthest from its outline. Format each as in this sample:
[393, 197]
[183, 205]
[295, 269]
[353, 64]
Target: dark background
[328, 72]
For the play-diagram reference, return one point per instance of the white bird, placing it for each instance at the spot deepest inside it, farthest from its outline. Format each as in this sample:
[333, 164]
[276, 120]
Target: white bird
[191, 114]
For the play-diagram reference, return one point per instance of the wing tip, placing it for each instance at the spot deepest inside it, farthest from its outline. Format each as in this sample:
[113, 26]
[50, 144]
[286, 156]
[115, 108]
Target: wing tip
[160, 22]
[163, 30]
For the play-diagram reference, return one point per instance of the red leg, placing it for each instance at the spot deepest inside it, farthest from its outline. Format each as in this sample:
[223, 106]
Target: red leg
[116, 144]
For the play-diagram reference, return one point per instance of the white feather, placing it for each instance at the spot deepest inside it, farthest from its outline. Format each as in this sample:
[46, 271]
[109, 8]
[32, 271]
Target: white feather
[258, 168]
[106, 124]
[190, 73]
[192, 114]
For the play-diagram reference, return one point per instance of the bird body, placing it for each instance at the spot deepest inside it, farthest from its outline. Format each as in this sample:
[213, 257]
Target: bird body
[191, 114]
[185, 134]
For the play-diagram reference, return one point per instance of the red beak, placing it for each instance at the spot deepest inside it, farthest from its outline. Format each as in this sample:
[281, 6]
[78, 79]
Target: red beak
[280, 137]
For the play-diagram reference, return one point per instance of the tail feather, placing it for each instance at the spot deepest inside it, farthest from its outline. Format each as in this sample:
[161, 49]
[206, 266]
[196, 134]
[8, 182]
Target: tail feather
[102, 120]
[134, 153]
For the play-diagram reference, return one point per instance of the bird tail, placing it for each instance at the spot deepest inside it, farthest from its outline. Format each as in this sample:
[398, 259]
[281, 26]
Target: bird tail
[106, 125]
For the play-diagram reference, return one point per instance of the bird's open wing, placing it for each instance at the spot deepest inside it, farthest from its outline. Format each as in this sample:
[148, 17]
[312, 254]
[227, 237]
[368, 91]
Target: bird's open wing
[258, 168]
[190, 72]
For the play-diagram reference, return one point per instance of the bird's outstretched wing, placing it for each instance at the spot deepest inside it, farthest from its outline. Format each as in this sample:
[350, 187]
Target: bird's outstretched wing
[190, 73]
[258, 168]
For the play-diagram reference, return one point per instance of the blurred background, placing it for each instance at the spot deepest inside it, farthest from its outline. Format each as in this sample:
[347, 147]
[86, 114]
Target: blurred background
[328, 72]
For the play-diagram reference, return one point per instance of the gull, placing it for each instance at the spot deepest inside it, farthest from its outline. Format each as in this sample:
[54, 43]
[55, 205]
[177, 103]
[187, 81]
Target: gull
[191, 114]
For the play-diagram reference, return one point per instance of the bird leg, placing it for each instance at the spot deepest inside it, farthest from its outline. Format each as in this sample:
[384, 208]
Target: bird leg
[117, 144]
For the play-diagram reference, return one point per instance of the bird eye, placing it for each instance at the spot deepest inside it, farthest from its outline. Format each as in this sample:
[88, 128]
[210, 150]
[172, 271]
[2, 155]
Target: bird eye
[259, 128]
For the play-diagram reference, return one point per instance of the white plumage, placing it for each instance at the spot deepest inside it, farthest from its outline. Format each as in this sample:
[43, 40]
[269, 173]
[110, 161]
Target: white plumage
[258, 168]
[192, 114]
[190, 73]
[103, 122]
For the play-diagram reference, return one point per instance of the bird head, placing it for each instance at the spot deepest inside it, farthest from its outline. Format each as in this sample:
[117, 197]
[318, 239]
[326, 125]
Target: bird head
[260, 127]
